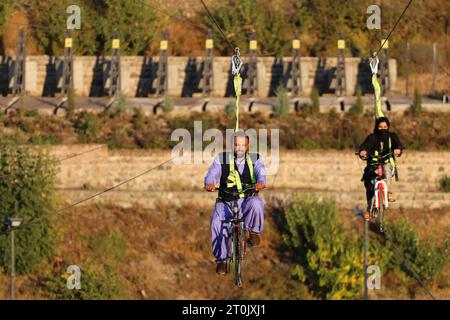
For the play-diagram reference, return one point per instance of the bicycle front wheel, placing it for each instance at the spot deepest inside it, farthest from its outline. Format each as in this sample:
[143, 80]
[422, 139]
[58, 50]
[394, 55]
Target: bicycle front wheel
[381, 211]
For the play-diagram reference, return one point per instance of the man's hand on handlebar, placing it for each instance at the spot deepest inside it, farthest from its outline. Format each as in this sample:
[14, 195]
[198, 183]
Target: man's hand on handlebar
[363, 154]
[259, 186]
[398, 152]
[210, 187]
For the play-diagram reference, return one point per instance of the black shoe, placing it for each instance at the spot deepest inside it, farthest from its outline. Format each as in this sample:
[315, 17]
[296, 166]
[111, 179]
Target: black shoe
[254, 239]
[221, 267]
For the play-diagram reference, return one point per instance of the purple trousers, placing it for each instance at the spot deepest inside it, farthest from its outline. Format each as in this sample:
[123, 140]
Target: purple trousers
[251, 209]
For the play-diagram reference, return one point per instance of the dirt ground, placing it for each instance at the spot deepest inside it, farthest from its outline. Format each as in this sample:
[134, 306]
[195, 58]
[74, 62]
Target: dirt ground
[168, 255]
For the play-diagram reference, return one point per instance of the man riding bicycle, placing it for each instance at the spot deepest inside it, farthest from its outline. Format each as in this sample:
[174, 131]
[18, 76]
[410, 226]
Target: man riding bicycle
[380, 143]
[236, 172]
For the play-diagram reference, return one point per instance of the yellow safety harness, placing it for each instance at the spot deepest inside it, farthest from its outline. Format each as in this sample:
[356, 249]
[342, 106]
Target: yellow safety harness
[234, 178]
[390, 159]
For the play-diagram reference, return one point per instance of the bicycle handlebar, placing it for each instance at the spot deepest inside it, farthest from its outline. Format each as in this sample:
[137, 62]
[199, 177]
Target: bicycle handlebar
[235, 193]
[375, 156]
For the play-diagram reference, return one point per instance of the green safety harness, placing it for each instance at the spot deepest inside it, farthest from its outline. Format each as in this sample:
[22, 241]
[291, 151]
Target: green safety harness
[234, 178]
[388, 160]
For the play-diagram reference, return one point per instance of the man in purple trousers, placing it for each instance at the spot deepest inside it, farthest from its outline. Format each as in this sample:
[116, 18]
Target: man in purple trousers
[236, 172]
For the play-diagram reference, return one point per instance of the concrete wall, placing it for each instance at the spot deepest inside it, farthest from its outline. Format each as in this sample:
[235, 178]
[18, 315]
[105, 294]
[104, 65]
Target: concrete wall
[325, 173]
[43, 75]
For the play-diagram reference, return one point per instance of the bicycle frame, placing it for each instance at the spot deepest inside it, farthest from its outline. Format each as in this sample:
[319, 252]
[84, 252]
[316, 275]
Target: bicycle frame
[380, 188]
[236, 240]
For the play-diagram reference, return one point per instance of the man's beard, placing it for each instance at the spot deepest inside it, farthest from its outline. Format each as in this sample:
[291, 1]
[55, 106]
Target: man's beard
[240, 154]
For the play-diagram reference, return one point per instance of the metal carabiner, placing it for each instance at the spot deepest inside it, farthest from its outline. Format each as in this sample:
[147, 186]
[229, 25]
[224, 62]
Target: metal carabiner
[236, 62]
[373, 62]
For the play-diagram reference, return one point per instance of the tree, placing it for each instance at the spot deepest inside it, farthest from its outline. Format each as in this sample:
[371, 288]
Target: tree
[26, 190]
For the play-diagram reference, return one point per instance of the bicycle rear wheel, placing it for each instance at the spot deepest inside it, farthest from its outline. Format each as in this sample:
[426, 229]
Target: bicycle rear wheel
[236, 259]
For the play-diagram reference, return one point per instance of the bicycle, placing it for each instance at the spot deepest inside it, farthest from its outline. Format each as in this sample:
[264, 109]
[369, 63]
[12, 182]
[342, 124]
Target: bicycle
[236, 243]
[380, 201]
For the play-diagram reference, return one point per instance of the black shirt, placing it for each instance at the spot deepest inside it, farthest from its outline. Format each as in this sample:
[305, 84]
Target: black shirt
[373, 143]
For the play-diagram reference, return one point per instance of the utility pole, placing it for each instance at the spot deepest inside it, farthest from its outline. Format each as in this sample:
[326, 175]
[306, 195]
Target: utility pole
[408, 53]
[13, 223]
[19, 71]
[68, 63]
[384, 68]
[161, 87]
[67, 80]
[366, 243]
[433, 84]
[340, 70]
[208, 66]
[252, 66]
[296, 67]
[115, 85]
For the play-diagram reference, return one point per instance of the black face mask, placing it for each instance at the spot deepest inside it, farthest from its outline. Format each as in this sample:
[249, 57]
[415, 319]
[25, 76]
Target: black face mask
[384, 133]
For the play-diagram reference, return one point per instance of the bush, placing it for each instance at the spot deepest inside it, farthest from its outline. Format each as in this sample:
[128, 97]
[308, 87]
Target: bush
[413, 257]
[230, 109]
[119, 139]
[416, 107]
[27, 188]
[358, 107]
[328, 262]
[70, 102]
[315, 103]
[45, 139]
[281, 107]
[138, 119]
[97, 283]
[167, 104]
[109, 247]
[87, 126]
[31, 113]
[444, 183]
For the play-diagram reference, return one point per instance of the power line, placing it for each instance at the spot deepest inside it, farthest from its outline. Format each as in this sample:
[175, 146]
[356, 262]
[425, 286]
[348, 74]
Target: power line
[414, 274]
[78, 154]
[395, 25]
[217, 25]
[60, 211]
[68, 157]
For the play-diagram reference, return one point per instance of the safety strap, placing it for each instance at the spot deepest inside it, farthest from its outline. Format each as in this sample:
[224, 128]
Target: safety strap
[234, 179]
[236, 64]
[376, 86]
[390, 159]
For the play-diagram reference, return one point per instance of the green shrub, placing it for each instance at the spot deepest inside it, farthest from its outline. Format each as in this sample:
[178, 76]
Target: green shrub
[70, 102]
[25, 125]
[327, 261]
[281, 107]
[358, 107]
[87, 126]
[119, 139]
[97, 283]
[138, 119]
[167, 104]
[416, 107]
[109, 247]
[444, 184]
[31, 113]
[45, 139]
[27, 187]
[230, 109]
[119, 108]
[412, 257]
[315, 102]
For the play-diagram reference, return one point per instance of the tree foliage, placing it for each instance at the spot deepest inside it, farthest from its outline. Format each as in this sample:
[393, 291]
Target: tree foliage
[27, 188]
